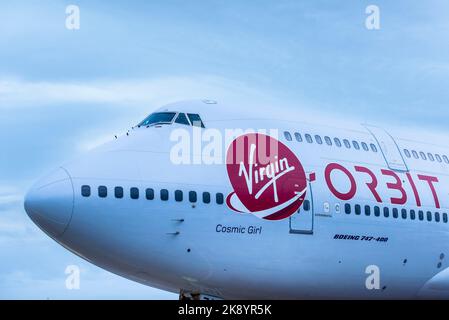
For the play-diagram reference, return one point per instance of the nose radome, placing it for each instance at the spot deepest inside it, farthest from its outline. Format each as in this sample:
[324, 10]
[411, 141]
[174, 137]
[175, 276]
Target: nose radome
[49, 203]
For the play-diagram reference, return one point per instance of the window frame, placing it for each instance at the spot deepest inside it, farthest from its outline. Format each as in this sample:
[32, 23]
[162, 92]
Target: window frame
[149, 193]
[119, 192]
[364, 146]
[219, 198]
[164, 195]
[193, 122]
[179, 195]
[86, 191]
[337, 142]
[309, 138]
[186, 118]
[193, 194]
[206, 197]
[134, 193]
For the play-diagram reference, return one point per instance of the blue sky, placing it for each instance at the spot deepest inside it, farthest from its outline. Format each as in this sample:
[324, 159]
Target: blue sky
[62, 91]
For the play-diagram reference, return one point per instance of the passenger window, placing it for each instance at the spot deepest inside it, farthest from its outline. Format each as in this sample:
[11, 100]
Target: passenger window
[192, 196]
[102, 191]
[134, 192]
[437, 217]
[407, 153]
[367, 210]
[347, 144]
[298, 137]
[347, 208]
[318, 139]
[164, 194]
[206, 197]
[445, 217]
[420, 215]
[376, 211]
[423, 156]
[287, 136]
[118, 192]
[149, 194]
[356, 145]
[430, 156]
[308, 138]
[357, 209]
[412, 214]
[386, 212]
[219, 198]
[195, 120]
[182, 119]
[178, 195]
[415, 154]
[437, 156]
[373, 147]
[429, 216]
[306, 205]
[337, 142]
[365, 146]
[446, 159]
[328, 140]
[395, 212]
[404, 213]
[85, 191]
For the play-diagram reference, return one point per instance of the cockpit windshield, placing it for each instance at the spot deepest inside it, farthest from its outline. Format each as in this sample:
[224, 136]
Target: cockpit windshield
[158, 117]
[189, 119]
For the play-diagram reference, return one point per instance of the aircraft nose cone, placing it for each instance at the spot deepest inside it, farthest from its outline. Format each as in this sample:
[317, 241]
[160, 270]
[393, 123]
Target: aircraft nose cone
[49, 203]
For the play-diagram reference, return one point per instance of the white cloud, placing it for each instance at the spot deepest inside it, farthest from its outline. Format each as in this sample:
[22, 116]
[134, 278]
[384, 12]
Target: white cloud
[158, 91]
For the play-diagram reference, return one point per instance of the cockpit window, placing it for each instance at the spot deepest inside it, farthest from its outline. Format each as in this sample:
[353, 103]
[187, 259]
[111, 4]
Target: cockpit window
[158, 117]
[195, 120]
[182, 119]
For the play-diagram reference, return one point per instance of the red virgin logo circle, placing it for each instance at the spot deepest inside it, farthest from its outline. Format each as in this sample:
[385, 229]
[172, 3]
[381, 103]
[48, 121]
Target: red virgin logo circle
[267, 177]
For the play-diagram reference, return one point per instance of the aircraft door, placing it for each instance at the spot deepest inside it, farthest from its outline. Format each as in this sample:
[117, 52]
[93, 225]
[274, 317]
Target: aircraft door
[389, 148]
[301, 222]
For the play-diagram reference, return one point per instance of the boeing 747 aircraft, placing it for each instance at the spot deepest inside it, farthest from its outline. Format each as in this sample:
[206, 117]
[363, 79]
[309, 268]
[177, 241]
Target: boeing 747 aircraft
[200, 200]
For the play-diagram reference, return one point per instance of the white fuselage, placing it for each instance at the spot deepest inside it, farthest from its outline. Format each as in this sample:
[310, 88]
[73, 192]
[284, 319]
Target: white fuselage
[322, 251]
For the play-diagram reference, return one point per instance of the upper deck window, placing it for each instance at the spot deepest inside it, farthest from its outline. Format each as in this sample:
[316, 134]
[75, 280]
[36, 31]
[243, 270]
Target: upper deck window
[308, 138]
[158, 117]
[298, 137]
[195, 120]
[337, 142]
[288, 136]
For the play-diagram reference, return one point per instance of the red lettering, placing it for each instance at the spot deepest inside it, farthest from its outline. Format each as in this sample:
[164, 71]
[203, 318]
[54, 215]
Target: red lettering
[371, 185]
[342, 196]
[415, 191]
[395, 186]
[430, 180]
